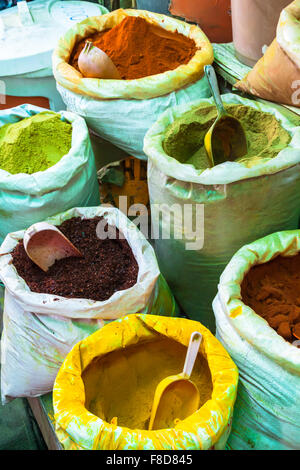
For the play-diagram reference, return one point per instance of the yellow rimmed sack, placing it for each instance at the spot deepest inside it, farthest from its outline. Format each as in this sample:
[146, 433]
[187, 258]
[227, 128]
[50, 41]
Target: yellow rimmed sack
[212, 213]
[121, 111]
[267, 412]
[40, 329]
[207, 428]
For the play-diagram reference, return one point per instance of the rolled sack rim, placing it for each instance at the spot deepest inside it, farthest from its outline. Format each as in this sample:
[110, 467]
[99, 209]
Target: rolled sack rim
[206, 426]
[228, 172]
[248, 324]
[58, 175]
[143, 88]
[75, 308]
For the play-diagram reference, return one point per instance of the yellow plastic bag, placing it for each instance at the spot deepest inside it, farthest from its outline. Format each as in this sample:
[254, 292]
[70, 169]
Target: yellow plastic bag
[144, 88]
[78, 428]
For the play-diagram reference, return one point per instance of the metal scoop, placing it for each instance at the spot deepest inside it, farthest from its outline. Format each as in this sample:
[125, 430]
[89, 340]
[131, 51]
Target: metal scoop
[226, 139]
[176, 397]
[95, 63]
[44, 244]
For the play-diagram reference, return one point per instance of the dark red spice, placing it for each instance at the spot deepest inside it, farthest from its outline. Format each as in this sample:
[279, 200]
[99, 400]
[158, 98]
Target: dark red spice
[107, 265]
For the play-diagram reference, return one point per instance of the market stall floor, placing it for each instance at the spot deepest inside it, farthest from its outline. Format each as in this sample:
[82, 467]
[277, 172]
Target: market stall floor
[18, 427]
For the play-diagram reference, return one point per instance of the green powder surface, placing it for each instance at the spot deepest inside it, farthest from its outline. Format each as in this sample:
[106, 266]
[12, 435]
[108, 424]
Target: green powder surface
[34, 144]
[184, 139]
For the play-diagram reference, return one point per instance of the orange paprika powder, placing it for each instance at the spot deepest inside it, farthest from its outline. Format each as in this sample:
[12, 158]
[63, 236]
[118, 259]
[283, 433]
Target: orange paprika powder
[139, 49]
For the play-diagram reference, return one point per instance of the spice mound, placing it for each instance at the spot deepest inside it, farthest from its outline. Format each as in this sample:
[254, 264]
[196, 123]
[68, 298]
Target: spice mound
[184, 139]
[120, 386]
[107, 265]
[272, 290]
[139, 49]
[34, 144]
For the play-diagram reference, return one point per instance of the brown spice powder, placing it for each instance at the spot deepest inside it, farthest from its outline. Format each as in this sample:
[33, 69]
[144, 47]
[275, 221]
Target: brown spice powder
[107, 265]
[272, 290]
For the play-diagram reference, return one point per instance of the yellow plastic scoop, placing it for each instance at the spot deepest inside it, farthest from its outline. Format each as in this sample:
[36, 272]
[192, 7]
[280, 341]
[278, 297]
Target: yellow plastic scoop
[176, 397]
[95, 63]
[226, 139]
[44, 244]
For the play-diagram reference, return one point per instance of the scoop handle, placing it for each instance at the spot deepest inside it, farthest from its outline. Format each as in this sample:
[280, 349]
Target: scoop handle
[191, 354]
[214, 87]
[24, 13]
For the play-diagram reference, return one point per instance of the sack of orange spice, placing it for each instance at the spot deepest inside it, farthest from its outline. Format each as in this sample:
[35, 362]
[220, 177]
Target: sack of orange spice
[160, 60]
[276, 76]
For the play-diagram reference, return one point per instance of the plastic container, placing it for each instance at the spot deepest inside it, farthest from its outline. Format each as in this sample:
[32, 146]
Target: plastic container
[157, 6]
[28, 35]
[213, 17]
[254, 26]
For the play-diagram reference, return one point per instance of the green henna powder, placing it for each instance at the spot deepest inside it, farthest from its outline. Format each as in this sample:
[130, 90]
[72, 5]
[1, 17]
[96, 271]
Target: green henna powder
[184, 139]
[34, 144]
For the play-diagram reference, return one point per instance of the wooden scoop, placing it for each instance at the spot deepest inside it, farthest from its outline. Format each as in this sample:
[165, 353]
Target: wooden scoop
[176, 397]
[226, 139]
[44, 244]
[95, 63]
